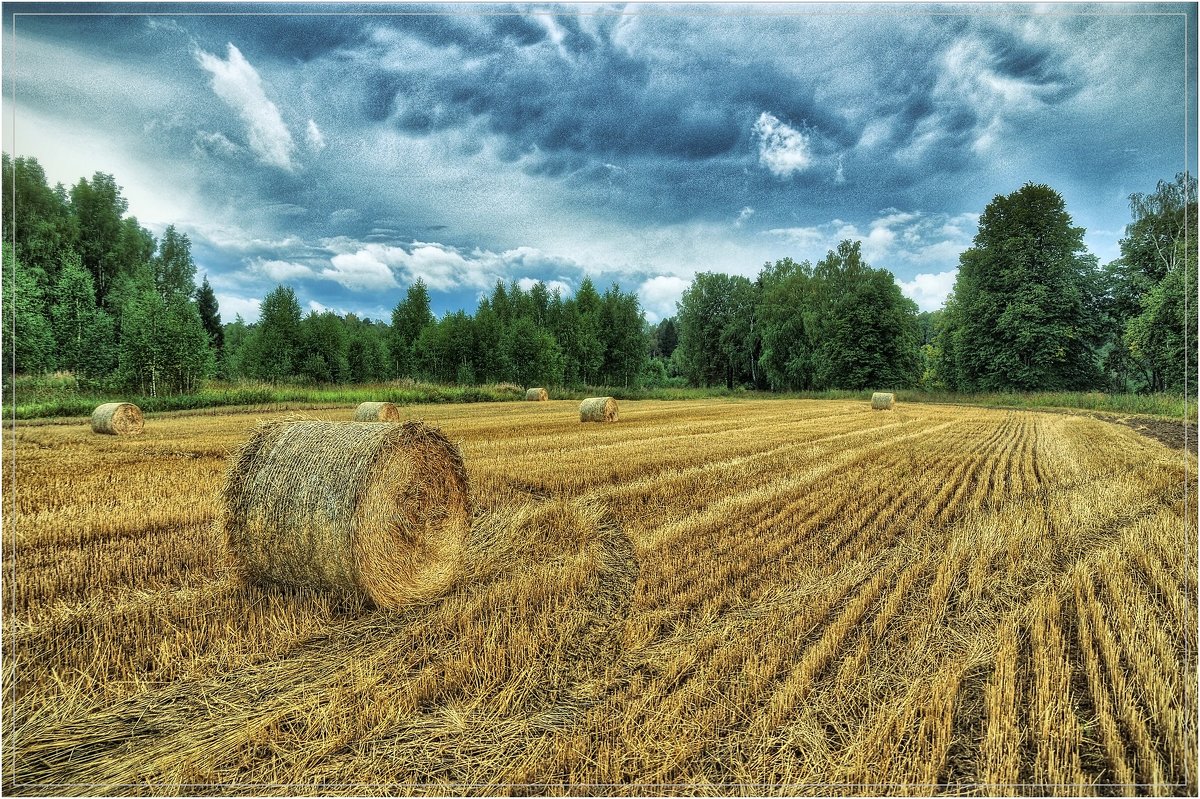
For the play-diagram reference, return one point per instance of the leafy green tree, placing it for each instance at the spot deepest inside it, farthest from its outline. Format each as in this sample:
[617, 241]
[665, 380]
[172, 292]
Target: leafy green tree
[866, 329]
[486, 362]
[587, 351]
[500, 304]
[531, 355]
[237, 335]
[1026, 301]
[273, 351]
[366, 350]
[446, 349]
[163, 347]
[1163, 334]
[98, 209]
[85, 335]
[325, 348]
[36, 218]
[29, 346]
[539, 301]
[715, 324]
[1144, 297]
[174, 270]
[625, 338]
[409, 317]
[787, 319]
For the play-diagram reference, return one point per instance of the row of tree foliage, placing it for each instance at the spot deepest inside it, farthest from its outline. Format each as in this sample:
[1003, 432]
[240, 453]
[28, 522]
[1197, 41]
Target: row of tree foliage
[1031, 310]
[88, 290]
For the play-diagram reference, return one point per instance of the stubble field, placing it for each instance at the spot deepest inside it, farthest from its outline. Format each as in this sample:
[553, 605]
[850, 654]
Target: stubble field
[711, 597]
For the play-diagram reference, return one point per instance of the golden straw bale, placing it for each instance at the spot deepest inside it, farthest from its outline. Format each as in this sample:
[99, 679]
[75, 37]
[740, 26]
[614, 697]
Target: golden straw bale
[376, 509]
[377, 412]
[117, 419]
[882, 402]
[537, 395]
[598, 409]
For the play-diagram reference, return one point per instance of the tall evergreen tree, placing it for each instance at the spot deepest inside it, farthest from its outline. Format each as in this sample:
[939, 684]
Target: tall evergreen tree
[408, 318]
[210, 315]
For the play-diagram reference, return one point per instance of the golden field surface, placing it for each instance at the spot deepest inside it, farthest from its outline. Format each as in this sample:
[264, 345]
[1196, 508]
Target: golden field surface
[707, 597]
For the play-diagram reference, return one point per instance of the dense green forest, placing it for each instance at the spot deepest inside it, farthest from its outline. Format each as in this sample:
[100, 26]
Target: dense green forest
[87, 290]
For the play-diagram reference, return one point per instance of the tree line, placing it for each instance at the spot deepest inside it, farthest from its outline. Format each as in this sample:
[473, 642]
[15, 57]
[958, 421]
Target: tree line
[88, 290]
[1031, 310]
[92, 292]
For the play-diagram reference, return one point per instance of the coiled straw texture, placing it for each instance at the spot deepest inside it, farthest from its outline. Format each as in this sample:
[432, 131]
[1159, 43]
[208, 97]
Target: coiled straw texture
[117, 419]
[598, 409]
[376, 509]
[377, 412]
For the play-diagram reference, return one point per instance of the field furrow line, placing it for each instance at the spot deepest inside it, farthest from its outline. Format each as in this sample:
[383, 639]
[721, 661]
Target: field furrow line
[1122, 775]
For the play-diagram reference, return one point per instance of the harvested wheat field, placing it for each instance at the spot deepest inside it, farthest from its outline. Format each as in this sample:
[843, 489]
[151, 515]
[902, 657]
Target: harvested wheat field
[716, 597]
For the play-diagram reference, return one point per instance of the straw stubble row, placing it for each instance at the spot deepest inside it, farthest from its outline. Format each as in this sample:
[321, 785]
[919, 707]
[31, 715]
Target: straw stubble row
[824, 598]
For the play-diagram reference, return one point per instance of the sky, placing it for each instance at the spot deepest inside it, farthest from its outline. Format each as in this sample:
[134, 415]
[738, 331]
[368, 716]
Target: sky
[346, 150]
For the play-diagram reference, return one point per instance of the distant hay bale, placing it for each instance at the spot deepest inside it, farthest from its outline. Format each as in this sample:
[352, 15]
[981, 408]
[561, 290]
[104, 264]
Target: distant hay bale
[882, 402]
[598, 409]
[380, 510]
[376, 412]
[537, 395]
[117, 419]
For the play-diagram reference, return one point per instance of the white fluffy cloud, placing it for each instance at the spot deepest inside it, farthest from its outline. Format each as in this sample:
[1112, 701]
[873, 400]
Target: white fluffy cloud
[658, 296]
[782, 149]
[280, 271]
[232, 306]
[892, 239]
[238, 83]
[929, 291]
[564, 289]
[360, 271]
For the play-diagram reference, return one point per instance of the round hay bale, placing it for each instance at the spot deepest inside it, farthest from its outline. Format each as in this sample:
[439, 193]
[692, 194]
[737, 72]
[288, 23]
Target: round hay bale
[377, 412]
[537, 395]
[598, 409]
[117, 419]
[882, 402]
[380, 510]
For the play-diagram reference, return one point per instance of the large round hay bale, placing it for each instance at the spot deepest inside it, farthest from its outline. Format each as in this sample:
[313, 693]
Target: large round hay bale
[117, 419]
[377, 412]
[598, 409]
[375, 509]
[882, 402]
[537, 395]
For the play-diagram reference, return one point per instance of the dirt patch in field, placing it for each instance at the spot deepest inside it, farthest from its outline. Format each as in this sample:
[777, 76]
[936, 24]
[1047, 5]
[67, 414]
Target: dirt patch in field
[1174, 433]
[1170, 432]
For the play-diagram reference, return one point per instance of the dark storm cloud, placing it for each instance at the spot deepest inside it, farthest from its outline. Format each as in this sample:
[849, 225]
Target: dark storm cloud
[640, 141]
[583, 95]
